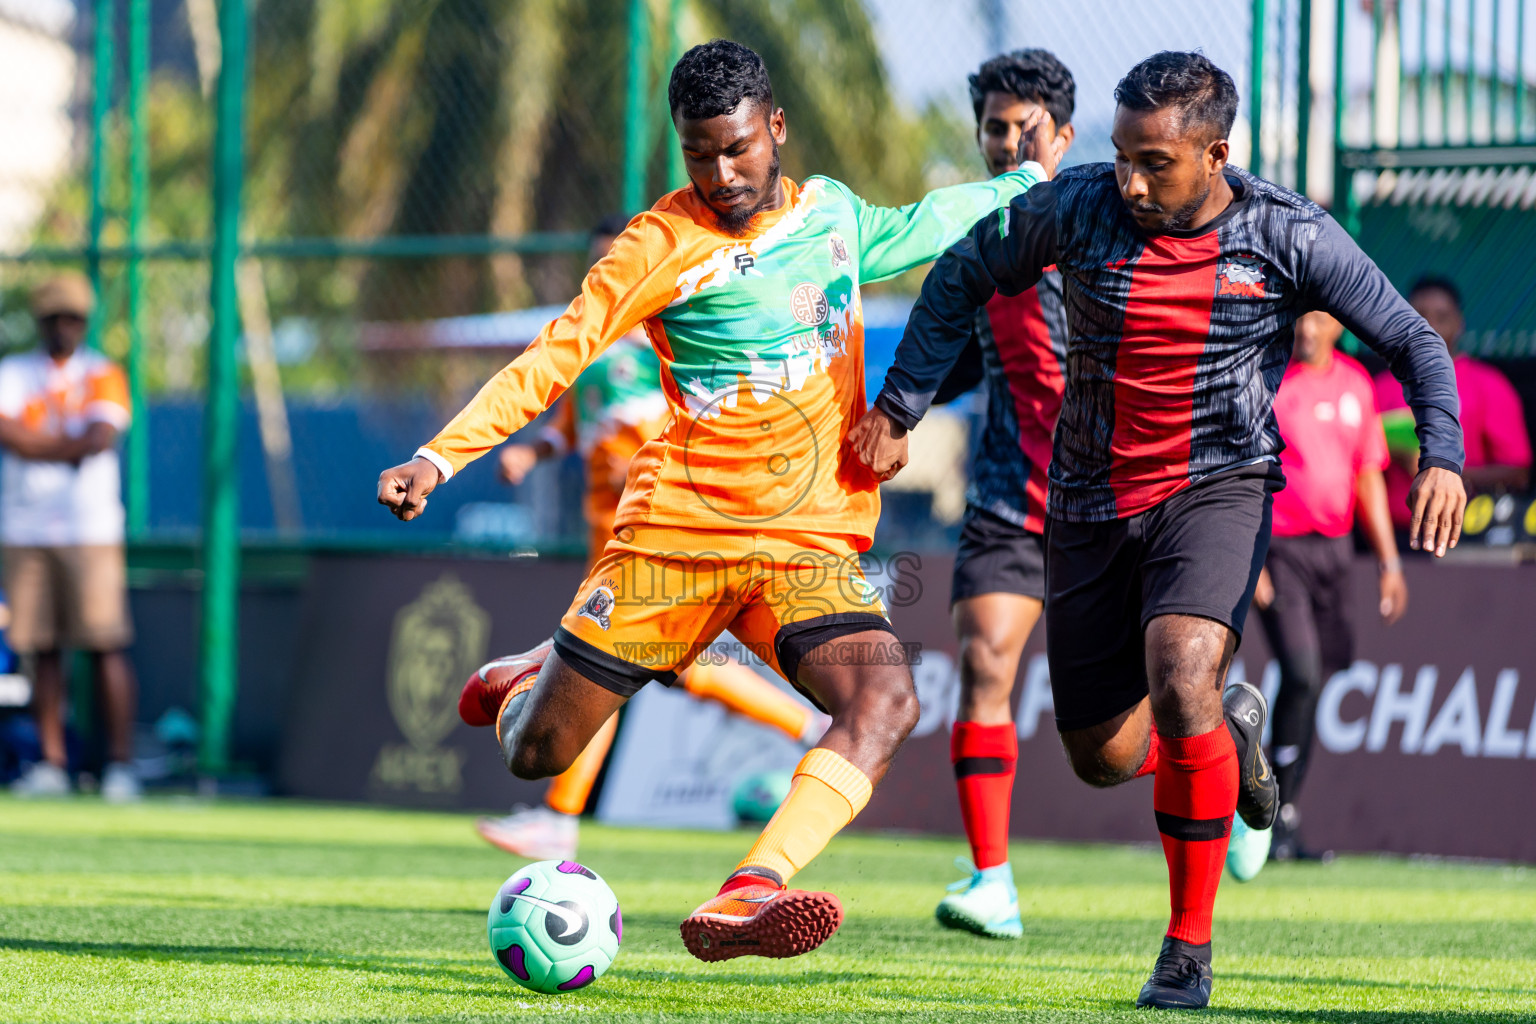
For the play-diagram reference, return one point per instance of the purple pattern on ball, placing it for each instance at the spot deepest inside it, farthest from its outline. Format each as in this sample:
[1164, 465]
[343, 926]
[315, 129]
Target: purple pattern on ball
[616, 922]
[512, 959]
[584, 977]
[570, 867]
[512, 889]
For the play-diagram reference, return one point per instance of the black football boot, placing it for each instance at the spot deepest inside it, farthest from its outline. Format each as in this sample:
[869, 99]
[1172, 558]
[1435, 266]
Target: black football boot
[1181, 980]
[1258, 796]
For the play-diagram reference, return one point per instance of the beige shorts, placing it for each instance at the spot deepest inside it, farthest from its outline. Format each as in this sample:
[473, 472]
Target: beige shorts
[74, 597]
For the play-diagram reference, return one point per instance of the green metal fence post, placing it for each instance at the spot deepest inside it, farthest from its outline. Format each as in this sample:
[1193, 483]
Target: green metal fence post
[1445, 78]
[1423, 86]
[1378, 22]
[138, 200]
[221, 511]
[104, 15]
[1303, 94]
[1345, 208]
[676, 176]
[635, 106]
[1520, 71]
[1256, 93]
[1471, 96]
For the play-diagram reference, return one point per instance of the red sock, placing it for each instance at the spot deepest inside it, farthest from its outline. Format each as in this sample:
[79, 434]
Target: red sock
[1194, 794]
[984, 757]
[1150, 764]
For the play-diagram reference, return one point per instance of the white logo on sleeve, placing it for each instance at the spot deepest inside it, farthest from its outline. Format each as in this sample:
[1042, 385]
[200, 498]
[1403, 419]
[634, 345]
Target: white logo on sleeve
[1349, 410]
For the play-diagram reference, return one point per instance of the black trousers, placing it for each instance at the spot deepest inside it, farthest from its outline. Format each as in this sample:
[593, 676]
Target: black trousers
[1309, 628]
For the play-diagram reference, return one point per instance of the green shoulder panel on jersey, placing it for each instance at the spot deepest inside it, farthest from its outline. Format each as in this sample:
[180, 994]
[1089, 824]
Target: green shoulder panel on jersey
[779, 307]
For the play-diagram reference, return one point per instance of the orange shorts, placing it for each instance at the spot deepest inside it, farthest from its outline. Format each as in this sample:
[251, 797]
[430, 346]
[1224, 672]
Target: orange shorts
[660, 595]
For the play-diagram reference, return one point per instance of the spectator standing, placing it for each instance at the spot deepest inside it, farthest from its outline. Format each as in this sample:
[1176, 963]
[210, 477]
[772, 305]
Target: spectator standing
[1335, 452]
[62, 409]
[1492, 420]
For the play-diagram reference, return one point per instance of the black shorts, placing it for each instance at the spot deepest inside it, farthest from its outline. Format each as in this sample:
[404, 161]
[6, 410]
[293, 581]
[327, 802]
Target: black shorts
[997, 557]
[1196, 553]
[1309, 623]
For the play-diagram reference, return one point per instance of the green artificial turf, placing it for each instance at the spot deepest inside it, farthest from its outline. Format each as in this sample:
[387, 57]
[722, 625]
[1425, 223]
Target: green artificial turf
[190, 911]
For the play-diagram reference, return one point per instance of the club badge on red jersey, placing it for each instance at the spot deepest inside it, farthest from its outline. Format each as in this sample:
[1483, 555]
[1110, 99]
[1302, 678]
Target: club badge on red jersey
[1242, 276]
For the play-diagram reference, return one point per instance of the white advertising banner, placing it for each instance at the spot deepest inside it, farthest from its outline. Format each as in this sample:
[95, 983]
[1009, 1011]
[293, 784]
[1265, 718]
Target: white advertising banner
[677, 760]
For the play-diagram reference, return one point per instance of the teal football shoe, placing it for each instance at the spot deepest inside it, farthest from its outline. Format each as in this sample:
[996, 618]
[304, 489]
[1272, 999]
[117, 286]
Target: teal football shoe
[1247, 850]
[986, 903]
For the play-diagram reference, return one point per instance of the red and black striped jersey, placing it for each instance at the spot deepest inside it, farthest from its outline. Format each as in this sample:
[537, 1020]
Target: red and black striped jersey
[1177, 342]
[1021, 354]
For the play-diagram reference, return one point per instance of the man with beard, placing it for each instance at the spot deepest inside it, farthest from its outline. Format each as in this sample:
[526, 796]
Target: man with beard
[745, 514]
[1182, 278]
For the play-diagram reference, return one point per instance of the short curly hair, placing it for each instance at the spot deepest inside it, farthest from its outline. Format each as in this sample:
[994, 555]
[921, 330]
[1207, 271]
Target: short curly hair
[1205, 94]
[1437, 283]
[714, 78]
[1030, 75]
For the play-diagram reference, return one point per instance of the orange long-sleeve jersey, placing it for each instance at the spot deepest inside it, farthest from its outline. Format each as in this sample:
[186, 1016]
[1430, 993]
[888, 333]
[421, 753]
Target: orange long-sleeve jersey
[761, 343]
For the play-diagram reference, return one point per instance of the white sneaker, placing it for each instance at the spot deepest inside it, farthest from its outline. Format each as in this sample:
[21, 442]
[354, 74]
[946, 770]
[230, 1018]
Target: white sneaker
[42, 779]
[537, 833]
[120, 784]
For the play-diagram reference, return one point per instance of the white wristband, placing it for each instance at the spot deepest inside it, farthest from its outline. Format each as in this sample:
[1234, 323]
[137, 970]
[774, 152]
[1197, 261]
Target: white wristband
[437, 460]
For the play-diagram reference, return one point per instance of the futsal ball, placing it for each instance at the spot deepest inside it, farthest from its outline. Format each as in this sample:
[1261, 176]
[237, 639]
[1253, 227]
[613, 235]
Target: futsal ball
[758, 795]
[555, 926]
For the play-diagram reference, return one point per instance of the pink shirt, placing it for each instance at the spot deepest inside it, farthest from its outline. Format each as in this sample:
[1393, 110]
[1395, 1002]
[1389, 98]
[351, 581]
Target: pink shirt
[1331, 431]
[1492, 422]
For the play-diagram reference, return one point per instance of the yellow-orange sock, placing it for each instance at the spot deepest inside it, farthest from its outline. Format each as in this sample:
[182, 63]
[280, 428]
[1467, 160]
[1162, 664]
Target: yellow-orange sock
[827, 793]
[745, 692]
[569, 790]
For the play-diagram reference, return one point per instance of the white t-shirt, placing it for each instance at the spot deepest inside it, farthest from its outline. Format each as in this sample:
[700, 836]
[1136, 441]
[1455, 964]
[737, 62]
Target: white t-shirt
[56, 503]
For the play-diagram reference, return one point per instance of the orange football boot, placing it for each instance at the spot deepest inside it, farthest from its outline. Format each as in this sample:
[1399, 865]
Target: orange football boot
[753, 917]
[482, 697]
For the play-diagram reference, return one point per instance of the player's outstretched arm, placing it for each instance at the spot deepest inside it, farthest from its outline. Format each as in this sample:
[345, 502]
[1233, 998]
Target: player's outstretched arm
[1006, 251]
[893, 240]
[1341, 279]
[634, 281]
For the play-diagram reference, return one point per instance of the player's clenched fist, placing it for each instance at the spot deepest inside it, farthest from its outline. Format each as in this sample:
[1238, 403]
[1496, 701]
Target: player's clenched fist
[403, 489]
[880, 443]
[1438, 501]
